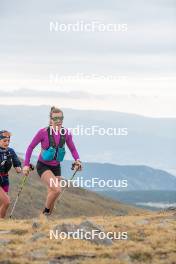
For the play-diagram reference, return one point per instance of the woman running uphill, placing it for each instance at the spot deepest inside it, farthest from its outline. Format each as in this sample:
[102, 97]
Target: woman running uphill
[52, 139]
[8, 158]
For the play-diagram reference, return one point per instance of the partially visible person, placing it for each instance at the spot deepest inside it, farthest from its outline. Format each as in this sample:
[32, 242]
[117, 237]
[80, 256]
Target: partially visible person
[8, 157]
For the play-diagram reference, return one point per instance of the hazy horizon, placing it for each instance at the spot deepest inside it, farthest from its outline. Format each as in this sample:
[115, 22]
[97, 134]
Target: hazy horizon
[9, 103]
[159, 106]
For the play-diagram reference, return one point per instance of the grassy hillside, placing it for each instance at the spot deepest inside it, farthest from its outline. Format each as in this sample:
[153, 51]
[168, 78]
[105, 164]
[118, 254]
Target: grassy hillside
[151, 239]
[25, 239]
[75, 201]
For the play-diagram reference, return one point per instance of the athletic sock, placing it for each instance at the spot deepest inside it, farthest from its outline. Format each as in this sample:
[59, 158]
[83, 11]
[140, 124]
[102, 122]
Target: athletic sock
[46, 211]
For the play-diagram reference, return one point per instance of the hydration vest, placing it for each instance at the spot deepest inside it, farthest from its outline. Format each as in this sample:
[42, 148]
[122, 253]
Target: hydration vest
[5, 160]
[55, 152]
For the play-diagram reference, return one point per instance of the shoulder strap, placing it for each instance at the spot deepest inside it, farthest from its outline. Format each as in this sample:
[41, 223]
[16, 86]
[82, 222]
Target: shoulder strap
[62, 138]
[52, 142]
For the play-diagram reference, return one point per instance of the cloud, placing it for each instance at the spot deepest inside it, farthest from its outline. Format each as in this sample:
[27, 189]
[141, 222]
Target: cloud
[34, 93]
[25, 27]
[28, 48]
[161, 106]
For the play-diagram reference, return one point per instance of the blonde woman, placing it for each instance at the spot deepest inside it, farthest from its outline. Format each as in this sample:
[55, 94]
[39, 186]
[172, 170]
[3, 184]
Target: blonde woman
[52, 140]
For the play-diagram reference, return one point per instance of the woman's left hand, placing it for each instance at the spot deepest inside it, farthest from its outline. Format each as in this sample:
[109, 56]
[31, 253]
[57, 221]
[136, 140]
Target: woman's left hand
[18, 169]
[77, 165]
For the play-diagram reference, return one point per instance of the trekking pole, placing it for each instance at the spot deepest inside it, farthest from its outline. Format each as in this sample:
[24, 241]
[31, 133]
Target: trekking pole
[72, 177]
[20, 190]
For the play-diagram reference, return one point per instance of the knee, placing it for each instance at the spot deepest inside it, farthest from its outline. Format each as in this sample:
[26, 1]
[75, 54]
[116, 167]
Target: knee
[6, 202]
[57, 190]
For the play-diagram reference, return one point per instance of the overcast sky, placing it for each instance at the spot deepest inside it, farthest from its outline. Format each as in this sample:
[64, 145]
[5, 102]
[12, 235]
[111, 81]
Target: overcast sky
[132, 71]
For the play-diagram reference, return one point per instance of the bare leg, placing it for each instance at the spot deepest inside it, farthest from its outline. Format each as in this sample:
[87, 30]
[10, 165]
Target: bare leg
[53, 191]
[59, 179]
[5, 202]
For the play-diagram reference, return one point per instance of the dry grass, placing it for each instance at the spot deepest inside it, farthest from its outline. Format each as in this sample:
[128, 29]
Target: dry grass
[151, 239]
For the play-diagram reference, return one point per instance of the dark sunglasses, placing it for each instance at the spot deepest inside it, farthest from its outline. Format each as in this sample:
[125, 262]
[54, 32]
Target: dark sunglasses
[56, 118]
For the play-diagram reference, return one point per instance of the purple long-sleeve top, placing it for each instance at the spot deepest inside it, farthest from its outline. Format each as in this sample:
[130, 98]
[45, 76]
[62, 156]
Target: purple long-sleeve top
[42, 137]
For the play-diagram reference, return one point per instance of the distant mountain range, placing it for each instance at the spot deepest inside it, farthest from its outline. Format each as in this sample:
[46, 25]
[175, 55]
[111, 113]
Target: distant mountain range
[153, 200]
[150, 141]
[138, 177]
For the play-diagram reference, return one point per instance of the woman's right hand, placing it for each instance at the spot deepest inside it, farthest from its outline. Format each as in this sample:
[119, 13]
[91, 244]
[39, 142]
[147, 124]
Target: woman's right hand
[26, 170]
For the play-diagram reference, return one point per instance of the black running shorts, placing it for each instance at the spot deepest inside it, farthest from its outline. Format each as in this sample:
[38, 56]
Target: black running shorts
[41, 168]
